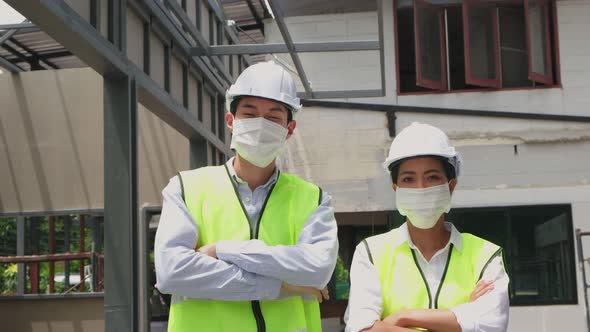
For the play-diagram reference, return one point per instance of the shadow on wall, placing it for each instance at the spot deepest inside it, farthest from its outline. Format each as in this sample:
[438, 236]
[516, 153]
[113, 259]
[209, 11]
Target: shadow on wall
[51, 137]
[31, 142]
[52, 315]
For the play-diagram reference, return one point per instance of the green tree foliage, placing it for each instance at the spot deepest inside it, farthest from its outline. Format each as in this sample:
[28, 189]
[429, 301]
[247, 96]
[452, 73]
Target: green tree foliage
[40, 245]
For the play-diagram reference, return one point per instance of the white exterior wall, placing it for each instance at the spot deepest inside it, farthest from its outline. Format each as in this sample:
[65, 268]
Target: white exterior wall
[342, 150]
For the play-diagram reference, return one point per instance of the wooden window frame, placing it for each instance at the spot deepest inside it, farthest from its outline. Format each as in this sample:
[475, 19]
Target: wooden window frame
[533, 76]
[469, 76]
[420, 80]
[556, 65]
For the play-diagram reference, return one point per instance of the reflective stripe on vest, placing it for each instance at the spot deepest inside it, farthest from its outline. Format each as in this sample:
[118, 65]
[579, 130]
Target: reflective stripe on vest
[403, 285]
[212, 200]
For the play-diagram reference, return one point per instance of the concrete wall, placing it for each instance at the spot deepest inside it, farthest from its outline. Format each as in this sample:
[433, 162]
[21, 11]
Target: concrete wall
[51, 140]
[53, 315]
[506, 162]
[360, 70]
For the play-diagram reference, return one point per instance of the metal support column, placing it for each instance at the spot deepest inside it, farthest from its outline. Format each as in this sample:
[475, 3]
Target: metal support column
[21, 278]
[581, 261]
[120, 204]
[278, 12]
[67, 234]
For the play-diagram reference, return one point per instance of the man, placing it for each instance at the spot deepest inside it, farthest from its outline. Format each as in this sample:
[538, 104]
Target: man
[242, 246]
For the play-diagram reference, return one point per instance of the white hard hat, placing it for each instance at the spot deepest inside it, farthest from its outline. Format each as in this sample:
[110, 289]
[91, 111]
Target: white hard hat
[419, 139]
[266, 80]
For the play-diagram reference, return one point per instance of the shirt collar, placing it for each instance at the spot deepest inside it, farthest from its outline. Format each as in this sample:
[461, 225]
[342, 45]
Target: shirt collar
[455, 238]
[238, 180]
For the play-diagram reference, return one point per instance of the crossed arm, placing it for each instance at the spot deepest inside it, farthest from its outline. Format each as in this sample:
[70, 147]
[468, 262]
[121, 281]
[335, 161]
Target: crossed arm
[487, 310]
[240, 270]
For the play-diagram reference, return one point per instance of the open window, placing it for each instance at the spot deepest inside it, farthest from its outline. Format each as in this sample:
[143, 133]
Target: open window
[429, 38]
[538, 41]
[481, 40]
[458, 45]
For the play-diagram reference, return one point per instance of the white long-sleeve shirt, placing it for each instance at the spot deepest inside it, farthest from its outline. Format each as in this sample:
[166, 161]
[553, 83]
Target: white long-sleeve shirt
[245, 270]
[489, 313]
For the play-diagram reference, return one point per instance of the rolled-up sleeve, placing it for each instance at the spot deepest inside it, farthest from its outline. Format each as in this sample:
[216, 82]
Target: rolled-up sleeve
[364, 301]
[489, 313]
[308, 263]
[182, 271]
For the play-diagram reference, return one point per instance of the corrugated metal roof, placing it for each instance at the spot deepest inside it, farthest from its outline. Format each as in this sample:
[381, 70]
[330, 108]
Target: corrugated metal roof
[32, 49]
[246, 23]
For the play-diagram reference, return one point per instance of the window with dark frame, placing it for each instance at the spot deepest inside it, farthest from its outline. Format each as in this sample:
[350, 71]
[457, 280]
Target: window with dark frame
[538, 243]
[455, 45]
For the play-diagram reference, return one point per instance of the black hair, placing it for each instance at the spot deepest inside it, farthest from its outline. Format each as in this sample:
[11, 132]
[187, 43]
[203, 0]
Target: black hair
[233, 108]
[449, 169]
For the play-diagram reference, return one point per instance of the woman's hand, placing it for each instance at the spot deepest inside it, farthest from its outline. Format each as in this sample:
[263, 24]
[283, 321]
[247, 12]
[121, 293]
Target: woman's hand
[482, 288]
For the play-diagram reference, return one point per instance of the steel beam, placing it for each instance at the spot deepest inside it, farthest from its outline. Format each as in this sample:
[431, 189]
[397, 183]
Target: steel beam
[255, 15]
[17, 26]
[32, 61]
[163, 18]
[42, 56]
[265, 12]
[45, 258]
[364, 45]
[51, 213]
[7, 35]
[28, 29]
[121, 300]
[445, 111]
[63, 24]
[144, 281]
[168, 109]
[381, 47]
[233, 34]
[278, 13]
[343, 94]
[74, 33]
[198, 37]
[249, 27]
[10, 66]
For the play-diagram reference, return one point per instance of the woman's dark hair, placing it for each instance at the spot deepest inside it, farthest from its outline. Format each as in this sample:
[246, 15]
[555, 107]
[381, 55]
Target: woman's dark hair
[449, 169]
[233, 107]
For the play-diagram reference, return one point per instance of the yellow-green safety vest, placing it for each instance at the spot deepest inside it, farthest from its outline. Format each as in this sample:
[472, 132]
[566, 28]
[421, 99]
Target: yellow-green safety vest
[212, 199]
[403, 285]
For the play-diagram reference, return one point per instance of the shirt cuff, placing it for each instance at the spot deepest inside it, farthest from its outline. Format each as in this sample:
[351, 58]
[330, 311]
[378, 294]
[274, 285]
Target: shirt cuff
[466, 318]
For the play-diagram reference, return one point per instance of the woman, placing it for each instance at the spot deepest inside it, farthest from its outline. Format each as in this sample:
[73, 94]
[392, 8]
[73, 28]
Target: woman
[426, 275]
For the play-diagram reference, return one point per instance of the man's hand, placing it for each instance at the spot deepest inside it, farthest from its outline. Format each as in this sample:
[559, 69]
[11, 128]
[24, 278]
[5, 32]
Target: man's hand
[319, 294]
[482, 288]
[208, 250]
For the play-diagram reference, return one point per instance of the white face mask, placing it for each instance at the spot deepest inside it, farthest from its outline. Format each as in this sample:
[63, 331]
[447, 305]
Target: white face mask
[258, 140]
[423, 206]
